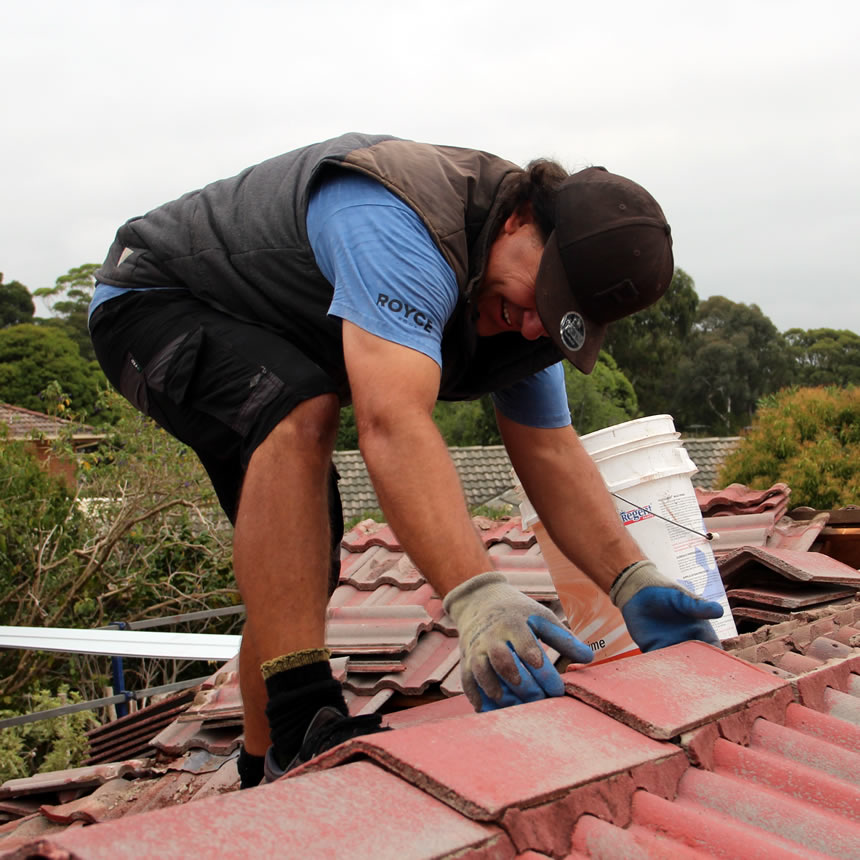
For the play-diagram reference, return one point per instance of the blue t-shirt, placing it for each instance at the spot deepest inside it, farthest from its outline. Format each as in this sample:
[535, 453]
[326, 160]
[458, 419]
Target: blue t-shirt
[391, 280]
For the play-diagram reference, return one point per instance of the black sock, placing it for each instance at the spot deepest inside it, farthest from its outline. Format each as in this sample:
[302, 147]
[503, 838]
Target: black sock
[250, 769]
[295, 696]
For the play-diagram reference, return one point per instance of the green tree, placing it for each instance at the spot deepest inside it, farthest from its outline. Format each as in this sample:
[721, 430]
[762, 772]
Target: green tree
[601, 399]
[69, 301]
[468, 422]
[40, 528]
[16, 304]
[143, 538]
[733, 356]
[808, 438]
[45, 745]
[347, 432]
[33, 356]
[825, 356]
[648, 345]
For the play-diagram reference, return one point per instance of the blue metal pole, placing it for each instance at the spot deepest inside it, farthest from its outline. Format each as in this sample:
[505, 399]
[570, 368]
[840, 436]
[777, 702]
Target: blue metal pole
[119, 685]
[118, 675]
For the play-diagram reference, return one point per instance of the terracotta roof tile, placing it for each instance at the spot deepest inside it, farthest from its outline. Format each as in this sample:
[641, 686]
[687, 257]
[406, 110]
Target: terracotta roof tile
[131, 736]
[675, 690]
[73, 778]
[375, 629]
[430, 662]
[562, 778]
[486, 764]
[103, 804]
[786, 565]
[366, 703]
[356, 800]
[738, 499]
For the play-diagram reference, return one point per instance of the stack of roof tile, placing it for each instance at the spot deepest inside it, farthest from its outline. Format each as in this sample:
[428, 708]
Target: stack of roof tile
[685, 752]
[739, 516]
[769, 586]
[763, 554]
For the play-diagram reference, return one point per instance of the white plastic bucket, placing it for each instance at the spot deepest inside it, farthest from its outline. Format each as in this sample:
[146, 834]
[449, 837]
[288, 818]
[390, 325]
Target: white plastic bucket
[630, 435]
[649, 480]
[647, 471]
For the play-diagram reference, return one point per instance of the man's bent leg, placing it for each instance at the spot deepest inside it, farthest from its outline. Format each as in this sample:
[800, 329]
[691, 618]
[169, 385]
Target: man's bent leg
[285, 588]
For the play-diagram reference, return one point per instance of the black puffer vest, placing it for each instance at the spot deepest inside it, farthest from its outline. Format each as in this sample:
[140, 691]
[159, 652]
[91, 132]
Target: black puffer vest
[241, 245]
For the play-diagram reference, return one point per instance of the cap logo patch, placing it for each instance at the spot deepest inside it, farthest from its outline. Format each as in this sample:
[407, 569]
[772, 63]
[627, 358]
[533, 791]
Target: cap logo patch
[572, 331]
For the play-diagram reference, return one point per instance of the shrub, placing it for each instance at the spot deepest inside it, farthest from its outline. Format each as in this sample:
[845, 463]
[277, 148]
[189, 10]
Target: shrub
[808, 438]
[45, 745]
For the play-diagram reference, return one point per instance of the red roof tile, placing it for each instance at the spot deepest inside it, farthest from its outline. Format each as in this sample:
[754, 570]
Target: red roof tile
[489, 763]
[665, 693]
[563, 778]
[76, 777]
[430, 662]
[738, 499]
[788, 564]
[301, 818]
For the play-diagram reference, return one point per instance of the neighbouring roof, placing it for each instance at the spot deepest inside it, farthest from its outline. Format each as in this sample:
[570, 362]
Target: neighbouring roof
[685, 752]
[24, 424]
[709, 454]
[488, 478]
[485, 473]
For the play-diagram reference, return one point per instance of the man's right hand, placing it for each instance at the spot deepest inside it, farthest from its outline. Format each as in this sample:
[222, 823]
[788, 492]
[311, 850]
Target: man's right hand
[502, 662]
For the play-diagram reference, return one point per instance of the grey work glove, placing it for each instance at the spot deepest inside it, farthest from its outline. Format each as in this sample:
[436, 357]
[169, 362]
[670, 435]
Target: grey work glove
[658, 612]
[502, 662]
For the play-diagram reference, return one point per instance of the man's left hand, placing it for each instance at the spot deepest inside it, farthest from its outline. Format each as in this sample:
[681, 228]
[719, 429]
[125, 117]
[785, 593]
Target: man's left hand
[658, 612]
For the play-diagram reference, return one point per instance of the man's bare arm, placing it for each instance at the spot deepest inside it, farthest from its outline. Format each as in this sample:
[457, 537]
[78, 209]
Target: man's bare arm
[394, 389]
[570, 498]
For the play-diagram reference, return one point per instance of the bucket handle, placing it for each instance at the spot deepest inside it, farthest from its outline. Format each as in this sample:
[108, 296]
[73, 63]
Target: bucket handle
[706, 535]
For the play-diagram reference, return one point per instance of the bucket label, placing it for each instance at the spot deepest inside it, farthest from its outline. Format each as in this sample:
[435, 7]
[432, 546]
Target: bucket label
[679, 547]
[637, 515]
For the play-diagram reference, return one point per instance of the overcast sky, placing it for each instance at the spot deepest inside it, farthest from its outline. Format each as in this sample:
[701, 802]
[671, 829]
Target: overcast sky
[742, 118]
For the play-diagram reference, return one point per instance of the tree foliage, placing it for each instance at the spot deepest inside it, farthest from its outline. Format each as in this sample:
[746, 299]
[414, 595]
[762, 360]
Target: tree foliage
[45, 745]
[143, 538]
[824, 356]
[648, 345]
[734, 356]
[33, 356]
[16, 304]
[808, 438]
[470, 422]
[69, 301]
[602, 398]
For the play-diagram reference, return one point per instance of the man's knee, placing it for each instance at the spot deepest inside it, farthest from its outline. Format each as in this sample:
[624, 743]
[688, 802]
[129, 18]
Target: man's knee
[310, 429]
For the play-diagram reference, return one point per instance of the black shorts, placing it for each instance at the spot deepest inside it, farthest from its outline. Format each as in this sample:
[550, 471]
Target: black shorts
[218, 384]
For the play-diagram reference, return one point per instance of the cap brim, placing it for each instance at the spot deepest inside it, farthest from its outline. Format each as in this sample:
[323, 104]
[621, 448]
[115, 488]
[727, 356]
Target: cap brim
[574, 333]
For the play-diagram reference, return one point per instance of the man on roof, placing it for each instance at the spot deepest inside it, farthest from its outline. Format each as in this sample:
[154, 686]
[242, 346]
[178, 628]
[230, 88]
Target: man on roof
[388, 274]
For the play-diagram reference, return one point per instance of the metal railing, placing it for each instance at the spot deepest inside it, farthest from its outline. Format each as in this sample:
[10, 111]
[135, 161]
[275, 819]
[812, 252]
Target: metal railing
[123, 696]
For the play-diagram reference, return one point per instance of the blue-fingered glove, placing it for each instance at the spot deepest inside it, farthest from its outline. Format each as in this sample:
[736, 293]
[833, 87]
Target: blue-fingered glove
[501, 660]
[658, 612]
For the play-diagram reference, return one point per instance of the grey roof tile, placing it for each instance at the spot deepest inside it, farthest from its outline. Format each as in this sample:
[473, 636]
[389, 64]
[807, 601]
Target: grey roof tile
[709, 454]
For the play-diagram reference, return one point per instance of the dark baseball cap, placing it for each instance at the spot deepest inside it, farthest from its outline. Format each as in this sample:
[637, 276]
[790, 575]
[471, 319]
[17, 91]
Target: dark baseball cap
[609, 256]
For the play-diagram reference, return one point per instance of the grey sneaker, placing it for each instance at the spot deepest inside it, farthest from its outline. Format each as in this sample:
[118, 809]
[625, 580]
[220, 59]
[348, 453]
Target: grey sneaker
[328, 728]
